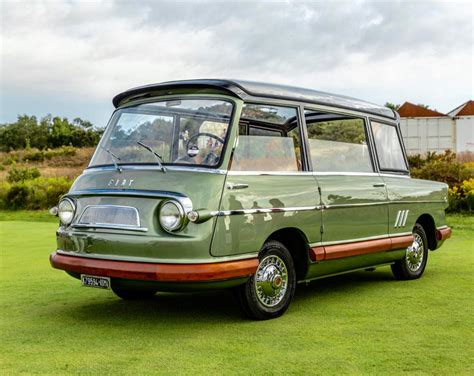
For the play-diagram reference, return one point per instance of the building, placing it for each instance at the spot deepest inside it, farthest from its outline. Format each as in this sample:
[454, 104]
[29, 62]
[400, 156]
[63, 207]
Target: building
[426, 130]
[463, 117]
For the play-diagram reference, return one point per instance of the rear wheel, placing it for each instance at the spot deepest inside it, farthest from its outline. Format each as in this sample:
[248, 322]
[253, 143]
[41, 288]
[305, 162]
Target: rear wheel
[127, 293]
[413, 264]
[268, 293]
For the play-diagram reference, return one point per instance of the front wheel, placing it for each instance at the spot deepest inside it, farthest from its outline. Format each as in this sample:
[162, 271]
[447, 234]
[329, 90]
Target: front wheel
[268, 293]
[413, 264]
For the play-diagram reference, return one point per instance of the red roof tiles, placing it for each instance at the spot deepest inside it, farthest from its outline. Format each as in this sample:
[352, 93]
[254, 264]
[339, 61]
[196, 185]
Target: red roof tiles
[408, 109]
[466, 109]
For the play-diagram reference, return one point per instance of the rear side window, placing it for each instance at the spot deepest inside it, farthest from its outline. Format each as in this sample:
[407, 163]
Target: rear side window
[389, 149]
[337, 143]
[269, 139]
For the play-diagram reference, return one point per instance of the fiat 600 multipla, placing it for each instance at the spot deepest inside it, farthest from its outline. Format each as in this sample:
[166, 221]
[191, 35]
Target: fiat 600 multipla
[205, 184]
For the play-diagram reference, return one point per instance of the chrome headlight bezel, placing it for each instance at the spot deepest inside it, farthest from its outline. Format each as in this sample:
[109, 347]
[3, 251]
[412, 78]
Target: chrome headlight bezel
[66, 221]
[181, 221]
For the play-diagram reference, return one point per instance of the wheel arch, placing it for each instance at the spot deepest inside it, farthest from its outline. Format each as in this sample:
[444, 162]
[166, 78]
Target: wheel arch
[297, 243]
[428, 224]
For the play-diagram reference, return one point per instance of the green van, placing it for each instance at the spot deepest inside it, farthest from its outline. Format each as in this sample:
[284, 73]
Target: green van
[204, 184]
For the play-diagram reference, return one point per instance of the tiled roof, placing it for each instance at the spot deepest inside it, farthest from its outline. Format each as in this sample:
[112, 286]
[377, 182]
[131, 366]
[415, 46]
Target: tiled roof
[408, 109]
[466, 109]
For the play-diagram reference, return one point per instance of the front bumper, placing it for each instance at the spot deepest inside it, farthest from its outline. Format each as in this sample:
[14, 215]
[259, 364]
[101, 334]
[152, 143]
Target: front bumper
[141, 271]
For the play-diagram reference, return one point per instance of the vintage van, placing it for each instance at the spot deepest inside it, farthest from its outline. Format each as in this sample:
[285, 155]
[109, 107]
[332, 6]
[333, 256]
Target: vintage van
[204, 184]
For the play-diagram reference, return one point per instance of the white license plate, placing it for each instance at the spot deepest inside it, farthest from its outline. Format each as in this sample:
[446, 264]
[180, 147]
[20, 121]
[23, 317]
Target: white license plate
[95, 281]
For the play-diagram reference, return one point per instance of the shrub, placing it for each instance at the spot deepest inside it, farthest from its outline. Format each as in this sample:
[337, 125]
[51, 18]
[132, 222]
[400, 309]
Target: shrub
[446, 168]
[461, 198]
[18, 174]
[38, 193]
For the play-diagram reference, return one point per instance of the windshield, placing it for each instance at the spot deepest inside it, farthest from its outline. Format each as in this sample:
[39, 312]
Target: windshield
[185, 131]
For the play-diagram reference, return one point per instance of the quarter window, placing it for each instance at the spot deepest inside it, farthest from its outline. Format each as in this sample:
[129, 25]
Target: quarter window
[337, 143]
[269, 139]
[389, 149]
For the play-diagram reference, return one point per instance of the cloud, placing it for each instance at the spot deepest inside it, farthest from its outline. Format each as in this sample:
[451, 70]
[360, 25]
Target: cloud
[87, 52]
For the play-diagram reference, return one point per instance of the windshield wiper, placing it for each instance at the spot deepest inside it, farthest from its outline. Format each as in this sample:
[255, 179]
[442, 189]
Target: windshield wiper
[114, 159]
[159, 159]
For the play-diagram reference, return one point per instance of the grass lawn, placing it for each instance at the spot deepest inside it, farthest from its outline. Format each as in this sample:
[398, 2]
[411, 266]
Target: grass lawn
[365, 322]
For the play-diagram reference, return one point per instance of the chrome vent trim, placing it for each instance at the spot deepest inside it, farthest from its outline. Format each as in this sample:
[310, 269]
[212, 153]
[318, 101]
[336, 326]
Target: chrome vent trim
[110, 217]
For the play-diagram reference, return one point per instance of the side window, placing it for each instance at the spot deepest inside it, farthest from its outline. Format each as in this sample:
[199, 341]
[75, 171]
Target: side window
[269, 139]
[337, 143]
[389, 149]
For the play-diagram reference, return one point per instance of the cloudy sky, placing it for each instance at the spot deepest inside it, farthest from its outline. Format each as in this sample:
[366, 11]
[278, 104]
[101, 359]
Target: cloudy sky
[70, 58]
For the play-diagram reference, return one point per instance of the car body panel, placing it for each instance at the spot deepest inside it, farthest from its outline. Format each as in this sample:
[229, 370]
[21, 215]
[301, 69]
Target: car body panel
[324, 209]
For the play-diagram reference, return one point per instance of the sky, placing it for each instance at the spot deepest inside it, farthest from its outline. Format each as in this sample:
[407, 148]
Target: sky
[69, 58]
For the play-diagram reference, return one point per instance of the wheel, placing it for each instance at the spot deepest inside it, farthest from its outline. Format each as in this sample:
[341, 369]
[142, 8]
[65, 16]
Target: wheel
[268, 293]
[413, 264]
[132, 293]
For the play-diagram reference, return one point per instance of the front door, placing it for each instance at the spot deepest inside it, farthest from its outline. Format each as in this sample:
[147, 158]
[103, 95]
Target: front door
[353, 195]
[268, 187]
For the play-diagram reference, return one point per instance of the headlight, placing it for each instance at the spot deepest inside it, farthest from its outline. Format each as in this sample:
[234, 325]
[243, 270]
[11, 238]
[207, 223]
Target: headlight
[172, 216]
[66, 209]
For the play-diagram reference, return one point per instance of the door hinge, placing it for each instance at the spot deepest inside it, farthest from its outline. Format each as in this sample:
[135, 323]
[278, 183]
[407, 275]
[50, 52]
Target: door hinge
[321, 229]
[319, 190]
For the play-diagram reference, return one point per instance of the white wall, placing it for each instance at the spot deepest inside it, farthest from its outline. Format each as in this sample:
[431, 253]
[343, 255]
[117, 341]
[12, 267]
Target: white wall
[465, 134]
[421, 135]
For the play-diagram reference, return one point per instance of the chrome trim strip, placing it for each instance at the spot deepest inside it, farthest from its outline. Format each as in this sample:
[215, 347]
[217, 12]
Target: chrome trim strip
[442, 227]
[221, 213]
[405, 217]
[404, 176]
[337, 206]
[418, 202]
[269, 173]
[398, 218]
[126, 192]
[161, 261]
[155, 168]
[109, 226]
[342, 173]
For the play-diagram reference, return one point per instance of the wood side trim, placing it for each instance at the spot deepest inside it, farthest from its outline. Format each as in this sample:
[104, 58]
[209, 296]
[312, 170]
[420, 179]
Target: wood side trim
[155, 272]
[338, 251]
[443, 234]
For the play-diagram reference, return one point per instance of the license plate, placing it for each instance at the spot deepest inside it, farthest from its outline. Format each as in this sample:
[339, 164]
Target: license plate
[95, 281]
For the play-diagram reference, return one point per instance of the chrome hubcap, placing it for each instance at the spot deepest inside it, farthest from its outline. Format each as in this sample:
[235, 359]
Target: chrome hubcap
[414, 254]
[271, 281]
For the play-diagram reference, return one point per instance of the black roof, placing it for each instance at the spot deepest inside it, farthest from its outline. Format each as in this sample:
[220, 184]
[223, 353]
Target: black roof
[244, 89]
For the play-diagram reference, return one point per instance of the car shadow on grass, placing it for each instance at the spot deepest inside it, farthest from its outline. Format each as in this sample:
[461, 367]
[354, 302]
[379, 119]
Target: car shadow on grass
[217, 306]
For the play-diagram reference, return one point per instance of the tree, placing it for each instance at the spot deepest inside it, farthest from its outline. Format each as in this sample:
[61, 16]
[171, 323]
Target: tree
[49, 132]
[392, 106]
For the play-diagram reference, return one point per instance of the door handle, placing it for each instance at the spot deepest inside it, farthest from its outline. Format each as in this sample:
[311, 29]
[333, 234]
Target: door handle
[237, 186]
[379, 185]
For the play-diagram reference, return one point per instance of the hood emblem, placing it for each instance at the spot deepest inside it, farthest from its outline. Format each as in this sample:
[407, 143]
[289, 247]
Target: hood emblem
[120, 183]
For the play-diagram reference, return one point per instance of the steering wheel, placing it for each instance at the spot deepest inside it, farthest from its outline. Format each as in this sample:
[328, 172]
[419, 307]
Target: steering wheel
[211, 158]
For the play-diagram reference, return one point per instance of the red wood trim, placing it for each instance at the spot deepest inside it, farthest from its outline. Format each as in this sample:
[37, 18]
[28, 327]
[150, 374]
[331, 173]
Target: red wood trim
[317, 253]
[356, 249]
[337, 251]
[400, 242]
[443, 234]
[155, 272]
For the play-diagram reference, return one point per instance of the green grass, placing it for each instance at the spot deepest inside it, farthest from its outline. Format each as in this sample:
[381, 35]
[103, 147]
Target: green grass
[360, 323]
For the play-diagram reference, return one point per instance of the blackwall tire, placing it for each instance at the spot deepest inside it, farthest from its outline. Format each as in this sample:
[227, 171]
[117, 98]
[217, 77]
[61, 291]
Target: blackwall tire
[413, 264]
[268, 293]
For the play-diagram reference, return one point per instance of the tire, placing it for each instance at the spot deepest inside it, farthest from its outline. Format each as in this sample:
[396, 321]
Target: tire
[413, 264]
[132, 294]
[268, 293]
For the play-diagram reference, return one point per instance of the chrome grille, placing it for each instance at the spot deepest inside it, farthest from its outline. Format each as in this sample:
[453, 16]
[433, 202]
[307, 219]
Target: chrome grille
[110, 216]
